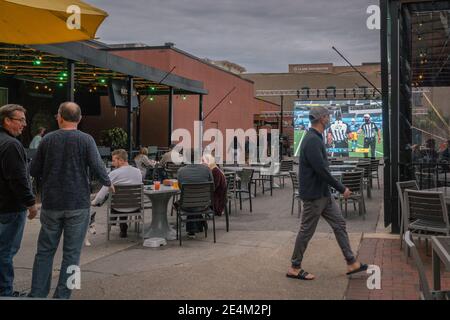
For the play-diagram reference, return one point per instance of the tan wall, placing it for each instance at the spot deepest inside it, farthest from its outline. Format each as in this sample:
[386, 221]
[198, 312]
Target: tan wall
[314, 80]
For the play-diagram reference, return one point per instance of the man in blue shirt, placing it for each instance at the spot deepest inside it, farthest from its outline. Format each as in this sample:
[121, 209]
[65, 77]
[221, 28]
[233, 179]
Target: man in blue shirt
[315, 179]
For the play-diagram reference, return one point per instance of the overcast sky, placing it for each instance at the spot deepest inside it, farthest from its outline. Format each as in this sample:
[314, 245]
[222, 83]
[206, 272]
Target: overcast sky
[260, 35]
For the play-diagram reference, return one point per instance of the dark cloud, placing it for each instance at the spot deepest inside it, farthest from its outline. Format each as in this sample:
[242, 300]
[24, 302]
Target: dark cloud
[261, 35]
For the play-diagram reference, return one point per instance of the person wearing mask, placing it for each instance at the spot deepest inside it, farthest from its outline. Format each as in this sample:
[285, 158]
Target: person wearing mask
[16, 196]
[315, 180]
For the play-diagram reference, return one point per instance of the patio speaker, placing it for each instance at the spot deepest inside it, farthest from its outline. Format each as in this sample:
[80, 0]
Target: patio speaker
[118, 94]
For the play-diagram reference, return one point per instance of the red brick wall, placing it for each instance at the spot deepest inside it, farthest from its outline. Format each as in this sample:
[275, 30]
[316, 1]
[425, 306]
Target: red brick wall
[236, 111]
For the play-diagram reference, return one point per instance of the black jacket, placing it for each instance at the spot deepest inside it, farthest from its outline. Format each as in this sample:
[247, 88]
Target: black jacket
[15, 186]
[315, 176]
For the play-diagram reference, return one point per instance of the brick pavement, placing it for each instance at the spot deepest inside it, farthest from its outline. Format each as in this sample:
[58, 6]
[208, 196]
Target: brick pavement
[399, 278]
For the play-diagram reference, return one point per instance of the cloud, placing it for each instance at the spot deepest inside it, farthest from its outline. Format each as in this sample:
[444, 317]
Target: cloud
[261, 35]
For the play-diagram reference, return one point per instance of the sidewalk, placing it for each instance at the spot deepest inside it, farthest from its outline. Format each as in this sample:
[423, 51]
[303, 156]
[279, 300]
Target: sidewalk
[399, 277]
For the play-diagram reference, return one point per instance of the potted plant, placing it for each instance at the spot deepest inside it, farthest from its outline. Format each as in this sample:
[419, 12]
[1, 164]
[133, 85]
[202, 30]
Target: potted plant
[115, 138]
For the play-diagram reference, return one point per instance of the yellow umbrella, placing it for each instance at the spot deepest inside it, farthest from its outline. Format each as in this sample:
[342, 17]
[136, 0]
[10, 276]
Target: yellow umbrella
[48, 21]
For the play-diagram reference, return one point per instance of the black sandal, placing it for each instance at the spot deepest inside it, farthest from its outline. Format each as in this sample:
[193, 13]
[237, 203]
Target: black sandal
[362, 267]
[302, 275]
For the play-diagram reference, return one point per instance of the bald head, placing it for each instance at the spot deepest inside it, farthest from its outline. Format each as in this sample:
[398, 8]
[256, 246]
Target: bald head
[70, 112]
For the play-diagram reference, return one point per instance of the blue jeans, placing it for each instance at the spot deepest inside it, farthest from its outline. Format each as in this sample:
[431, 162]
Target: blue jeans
[74, 225]
[11, 232]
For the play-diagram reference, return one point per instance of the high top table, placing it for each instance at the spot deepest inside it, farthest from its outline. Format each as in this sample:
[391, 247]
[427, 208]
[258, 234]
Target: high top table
[160, 227]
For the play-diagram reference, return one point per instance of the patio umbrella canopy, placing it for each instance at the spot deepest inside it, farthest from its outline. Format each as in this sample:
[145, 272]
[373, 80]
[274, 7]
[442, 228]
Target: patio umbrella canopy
[48, 21]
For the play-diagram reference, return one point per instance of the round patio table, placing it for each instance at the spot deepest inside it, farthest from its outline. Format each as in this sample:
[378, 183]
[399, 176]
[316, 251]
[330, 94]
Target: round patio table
[351, 162]
[160, 227]
[342, 167]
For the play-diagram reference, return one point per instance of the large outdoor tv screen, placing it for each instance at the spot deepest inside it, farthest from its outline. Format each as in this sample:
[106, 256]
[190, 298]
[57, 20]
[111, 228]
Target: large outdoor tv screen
[355, 129]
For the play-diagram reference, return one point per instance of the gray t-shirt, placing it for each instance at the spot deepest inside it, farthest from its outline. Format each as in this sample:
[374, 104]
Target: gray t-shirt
[63, 162]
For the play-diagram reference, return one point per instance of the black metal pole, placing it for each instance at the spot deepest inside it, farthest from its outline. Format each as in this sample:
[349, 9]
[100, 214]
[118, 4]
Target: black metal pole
[395, 111]
[281, 127]
[70, 80]
[138, 125]
[386, 117]
[200, 108]
[130, 118]
[170, 126]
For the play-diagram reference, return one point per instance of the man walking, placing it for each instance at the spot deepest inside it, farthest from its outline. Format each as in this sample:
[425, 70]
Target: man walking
[15, 192]
[63, 161]
[315, 180]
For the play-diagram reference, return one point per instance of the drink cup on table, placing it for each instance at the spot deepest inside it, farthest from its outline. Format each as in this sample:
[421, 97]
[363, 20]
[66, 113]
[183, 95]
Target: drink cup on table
[157, 185]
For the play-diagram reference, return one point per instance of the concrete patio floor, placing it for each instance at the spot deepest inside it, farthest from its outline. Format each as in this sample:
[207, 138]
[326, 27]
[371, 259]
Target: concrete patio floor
[249, 262]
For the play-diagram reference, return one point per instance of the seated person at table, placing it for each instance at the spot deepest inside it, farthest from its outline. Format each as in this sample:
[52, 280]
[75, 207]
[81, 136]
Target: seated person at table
[194, 173]
[167, 157]
[220, 184]
[143, 163]
[124, 174]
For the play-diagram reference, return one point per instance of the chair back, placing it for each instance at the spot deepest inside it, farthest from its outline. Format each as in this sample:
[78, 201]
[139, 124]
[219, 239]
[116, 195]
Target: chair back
[426, 205]
[231, 181]
[287, 165]
[172, 169]
[127, 196]
[353, 180]
[294, 179]
[423, 282]
[365, 165]
[374, 164]
[246, 176]
[401, 187]
[334, 161]
[196, 195]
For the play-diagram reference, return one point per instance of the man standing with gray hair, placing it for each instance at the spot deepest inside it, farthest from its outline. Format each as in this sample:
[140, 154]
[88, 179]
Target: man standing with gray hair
[15, 192]
[315, 179]
[63, 161]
